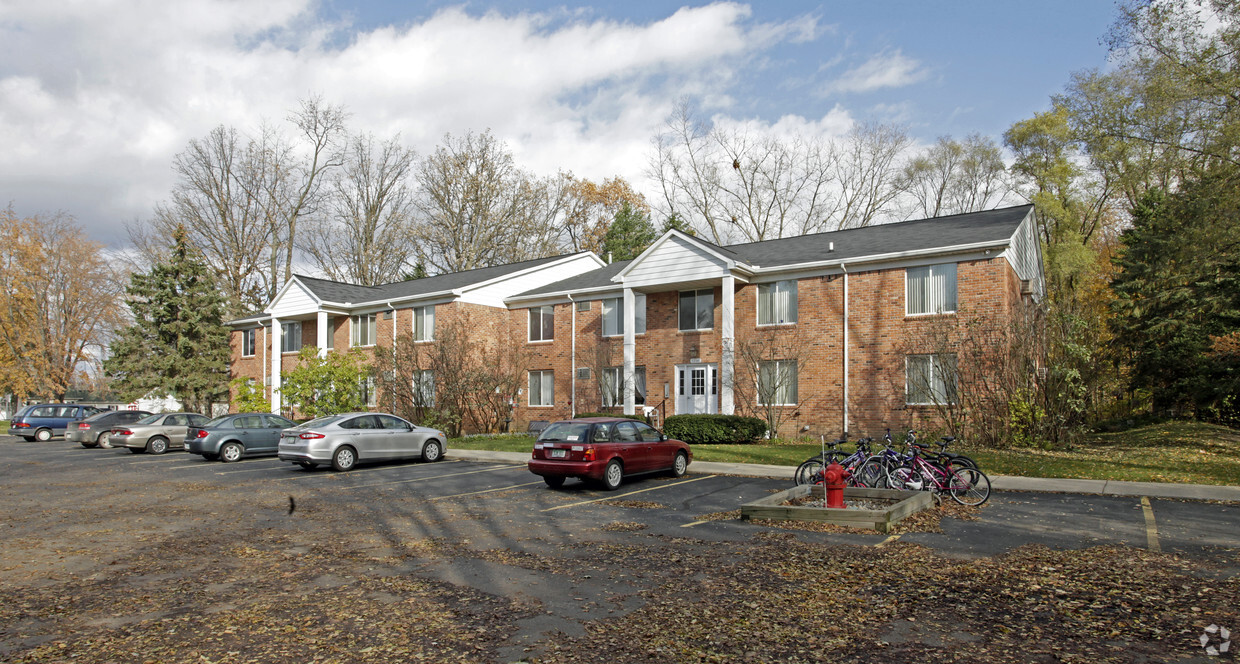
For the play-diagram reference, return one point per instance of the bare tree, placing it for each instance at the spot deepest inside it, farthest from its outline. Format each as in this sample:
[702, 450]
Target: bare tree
[740, 185]
[767, 375]
[475, 208]
[590, 208]
[953, 177]
[868, 173]
[366, 236]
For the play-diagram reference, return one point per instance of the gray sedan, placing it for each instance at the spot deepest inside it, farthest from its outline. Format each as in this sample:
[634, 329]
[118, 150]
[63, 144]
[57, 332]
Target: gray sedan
[230, 437]
[344, 440]
[156, 434]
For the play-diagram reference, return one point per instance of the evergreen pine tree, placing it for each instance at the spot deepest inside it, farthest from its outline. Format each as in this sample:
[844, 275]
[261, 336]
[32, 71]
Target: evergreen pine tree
[629, 234]
[178, 344]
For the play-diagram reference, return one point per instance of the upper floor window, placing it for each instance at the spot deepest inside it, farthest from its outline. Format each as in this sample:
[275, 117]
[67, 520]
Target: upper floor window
[931, 289]
[777, 303]
[290, 337]
[247, 342]
[613, 315]
[697, 310]
[424, 323]
[930, 379]
[363, 331]
[542, 323]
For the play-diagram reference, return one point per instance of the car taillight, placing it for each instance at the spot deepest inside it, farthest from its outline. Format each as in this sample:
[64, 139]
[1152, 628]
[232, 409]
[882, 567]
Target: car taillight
[310, 435]
[202, 433]
[589, 454]
[122, 432]
[83, 425]
[21, 425]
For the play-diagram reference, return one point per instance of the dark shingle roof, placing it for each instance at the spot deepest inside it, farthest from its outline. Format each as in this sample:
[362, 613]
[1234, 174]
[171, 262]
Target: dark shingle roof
[335, 291]
[923, 234]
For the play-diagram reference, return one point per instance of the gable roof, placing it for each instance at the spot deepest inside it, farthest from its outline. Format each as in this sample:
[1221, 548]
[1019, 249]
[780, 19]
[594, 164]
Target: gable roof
[989, 227]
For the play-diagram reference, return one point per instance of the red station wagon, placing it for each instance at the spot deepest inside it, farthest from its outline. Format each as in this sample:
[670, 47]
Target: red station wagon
[605, 450]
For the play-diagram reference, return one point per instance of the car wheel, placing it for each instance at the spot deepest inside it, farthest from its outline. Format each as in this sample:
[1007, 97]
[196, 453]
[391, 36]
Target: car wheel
[308, 465]
[344, 458]
[103, 440]
[612, 475]
[681, 465]
[157, 445]
[431, 451]
[85, 444]
[554, 482]
[43, 435]
[231, 452]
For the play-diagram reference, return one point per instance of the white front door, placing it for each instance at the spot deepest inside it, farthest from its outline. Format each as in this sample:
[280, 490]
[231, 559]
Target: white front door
[697, 389]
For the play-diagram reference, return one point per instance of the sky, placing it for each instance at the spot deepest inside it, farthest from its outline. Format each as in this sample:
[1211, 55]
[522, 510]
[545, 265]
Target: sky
[97, 97]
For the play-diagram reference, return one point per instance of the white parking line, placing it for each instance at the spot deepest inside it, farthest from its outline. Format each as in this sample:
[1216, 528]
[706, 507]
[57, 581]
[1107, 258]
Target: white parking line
[502, 488]
[631, 493]
[429, 477]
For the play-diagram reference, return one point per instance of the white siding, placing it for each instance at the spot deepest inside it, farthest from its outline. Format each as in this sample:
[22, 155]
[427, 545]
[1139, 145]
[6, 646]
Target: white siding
[1025, 255]
[493, 295]
[675, 261]
[294, 301]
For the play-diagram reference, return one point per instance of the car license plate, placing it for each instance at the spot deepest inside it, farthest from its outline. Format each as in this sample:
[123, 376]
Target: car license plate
[559, 454]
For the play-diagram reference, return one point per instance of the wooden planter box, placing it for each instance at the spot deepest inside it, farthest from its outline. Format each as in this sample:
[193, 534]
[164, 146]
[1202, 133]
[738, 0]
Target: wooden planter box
[906, 503]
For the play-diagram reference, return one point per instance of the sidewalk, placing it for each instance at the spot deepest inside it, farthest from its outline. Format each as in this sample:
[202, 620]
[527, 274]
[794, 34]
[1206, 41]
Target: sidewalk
[997, 482]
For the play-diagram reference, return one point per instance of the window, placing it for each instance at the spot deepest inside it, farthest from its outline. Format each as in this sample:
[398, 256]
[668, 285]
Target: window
[331, 333]
[648, 433]
[424, 388]
[930, 379]
[290, 337]
[626, 432]
[612, 384]
[613, 315]
[424, 323]
[542, 323]
[931, 289]
[777, 303]
[277, 422]
[368, 391]
[363, 331]
[697, 310]
[247, 342]
[777, 383]
[542, 388]
[583, 306]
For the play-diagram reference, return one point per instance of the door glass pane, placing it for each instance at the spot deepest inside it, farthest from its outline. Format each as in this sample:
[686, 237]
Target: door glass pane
[698, 385]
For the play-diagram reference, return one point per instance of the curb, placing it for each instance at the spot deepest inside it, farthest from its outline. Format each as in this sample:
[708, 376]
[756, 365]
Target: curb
[997, 482]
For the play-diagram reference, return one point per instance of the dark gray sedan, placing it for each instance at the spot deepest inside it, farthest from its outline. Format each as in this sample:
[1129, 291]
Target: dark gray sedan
[231, 437]
[346, 439]
[96, 430]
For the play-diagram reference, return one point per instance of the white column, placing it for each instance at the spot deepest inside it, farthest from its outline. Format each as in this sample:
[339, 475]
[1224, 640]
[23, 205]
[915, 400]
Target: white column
[727, 357]
[323, 331]
[275, 364]
[630, 351]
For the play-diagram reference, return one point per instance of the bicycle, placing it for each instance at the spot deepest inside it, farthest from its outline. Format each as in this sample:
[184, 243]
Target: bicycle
[968, 487]
[811, 470]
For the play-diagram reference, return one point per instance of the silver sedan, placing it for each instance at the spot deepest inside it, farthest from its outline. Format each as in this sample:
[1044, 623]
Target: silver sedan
[157, 433]
[346, 439]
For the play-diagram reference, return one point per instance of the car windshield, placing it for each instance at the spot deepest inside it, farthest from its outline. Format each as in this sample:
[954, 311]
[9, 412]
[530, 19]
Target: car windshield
[565, 432]
[98, 416]
[219, 422]
[322, 421]
[150, 419]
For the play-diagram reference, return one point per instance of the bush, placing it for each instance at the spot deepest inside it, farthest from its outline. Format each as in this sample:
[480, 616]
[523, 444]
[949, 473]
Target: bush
[715, 429]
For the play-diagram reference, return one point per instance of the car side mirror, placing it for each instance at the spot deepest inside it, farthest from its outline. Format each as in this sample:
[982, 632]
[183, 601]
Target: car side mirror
[662, 437]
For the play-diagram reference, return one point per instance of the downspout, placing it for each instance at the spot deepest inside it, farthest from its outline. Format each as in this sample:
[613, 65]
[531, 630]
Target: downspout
[394, 317]
[844, 269]
[572, 358]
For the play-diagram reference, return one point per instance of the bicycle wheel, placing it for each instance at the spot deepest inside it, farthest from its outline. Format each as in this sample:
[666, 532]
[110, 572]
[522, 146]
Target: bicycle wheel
[809, 472]
[872, 474]
[970, 487]
[906, 478]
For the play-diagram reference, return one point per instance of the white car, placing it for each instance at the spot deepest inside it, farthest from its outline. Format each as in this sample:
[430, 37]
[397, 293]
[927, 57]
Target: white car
[347, 439]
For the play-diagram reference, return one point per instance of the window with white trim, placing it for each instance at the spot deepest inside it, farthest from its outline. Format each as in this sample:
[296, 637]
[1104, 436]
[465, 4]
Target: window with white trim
[777, 303]
[931, 289]
[424, 323]
[369, 391]
[777, 383]
[542, 388]
[697, 310]
[612, 384]
[613, 315]
[930, 379]
[290, 337]
[424, 388]
[331, 333]
[363, 331]
[542, 323]
[247, 342]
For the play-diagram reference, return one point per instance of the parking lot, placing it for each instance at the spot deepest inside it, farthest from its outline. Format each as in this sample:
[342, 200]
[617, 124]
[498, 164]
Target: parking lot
[106, 551]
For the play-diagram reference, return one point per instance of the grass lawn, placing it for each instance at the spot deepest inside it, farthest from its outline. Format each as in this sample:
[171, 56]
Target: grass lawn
[1177, 452]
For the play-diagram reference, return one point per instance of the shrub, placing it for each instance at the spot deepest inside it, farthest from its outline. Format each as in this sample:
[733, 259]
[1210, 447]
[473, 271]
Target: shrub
[715, 429]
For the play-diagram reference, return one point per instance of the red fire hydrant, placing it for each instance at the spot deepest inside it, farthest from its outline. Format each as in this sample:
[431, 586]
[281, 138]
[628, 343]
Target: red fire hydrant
[833, 479]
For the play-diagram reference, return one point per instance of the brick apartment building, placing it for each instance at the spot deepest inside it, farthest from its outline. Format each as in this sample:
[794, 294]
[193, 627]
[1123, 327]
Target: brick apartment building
[827, 331]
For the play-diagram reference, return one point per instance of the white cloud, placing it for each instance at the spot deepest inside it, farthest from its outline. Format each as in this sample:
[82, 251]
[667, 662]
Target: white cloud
[97, 98]
[886, 70]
